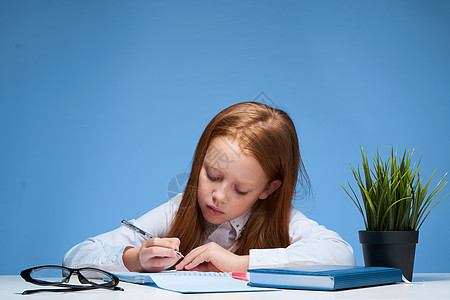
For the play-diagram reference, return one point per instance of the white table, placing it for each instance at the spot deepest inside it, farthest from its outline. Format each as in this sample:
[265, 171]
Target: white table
[424, 286]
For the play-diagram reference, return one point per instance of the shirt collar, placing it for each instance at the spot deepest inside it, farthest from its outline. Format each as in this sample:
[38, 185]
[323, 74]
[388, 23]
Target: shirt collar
[239, 223]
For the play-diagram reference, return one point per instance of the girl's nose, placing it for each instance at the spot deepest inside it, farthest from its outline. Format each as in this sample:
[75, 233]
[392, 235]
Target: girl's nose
[219, 196]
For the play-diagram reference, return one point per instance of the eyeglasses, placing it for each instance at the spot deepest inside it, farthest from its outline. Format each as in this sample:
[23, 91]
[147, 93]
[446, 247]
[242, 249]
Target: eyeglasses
[60, 276]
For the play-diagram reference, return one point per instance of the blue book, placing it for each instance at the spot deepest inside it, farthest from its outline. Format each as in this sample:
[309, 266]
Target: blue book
[323, 277]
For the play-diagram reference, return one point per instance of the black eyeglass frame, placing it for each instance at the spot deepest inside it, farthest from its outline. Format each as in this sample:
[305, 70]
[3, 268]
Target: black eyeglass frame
[26, 275]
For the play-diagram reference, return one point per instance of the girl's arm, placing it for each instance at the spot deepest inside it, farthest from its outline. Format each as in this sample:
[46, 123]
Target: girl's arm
[311, 243]
[106, 250]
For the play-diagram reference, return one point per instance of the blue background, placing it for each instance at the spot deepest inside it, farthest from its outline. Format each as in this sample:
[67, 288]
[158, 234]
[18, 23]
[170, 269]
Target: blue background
[102, 104]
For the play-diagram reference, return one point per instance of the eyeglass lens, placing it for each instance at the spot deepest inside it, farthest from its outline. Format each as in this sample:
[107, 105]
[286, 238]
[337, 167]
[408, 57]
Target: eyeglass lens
[61, 275]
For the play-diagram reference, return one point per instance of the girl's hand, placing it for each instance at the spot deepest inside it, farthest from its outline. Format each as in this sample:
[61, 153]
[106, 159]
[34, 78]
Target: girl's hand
[156, 254]
[217, 259]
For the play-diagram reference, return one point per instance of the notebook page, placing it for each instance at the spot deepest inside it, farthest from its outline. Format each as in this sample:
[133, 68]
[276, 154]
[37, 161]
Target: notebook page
[191, 281]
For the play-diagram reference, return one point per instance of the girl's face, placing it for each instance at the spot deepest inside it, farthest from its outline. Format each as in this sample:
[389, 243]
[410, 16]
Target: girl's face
[230, 182]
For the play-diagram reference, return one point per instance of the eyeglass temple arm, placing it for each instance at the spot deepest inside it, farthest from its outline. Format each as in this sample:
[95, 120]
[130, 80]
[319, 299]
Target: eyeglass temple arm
[74, 289]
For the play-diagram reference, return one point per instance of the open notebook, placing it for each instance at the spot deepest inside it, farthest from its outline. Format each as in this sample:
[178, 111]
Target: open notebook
[190, 281]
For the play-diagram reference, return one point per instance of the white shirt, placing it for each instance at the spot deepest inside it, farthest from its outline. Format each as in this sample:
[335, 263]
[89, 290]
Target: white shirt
[310, 242]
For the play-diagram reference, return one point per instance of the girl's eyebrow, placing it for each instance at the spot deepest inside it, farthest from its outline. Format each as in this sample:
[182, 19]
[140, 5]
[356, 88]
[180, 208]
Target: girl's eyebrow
[208, 167]
[246, 184]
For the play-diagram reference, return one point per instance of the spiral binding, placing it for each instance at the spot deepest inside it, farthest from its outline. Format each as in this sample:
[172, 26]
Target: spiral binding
[196, 273]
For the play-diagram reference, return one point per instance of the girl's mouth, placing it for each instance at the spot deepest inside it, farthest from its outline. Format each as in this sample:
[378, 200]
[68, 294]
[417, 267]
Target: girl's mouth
[214, 211]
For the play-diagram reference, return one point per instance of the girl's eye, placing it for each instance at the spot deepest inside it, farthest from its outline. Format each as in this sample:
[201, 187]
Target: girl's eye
[240, 192]
[212, 178]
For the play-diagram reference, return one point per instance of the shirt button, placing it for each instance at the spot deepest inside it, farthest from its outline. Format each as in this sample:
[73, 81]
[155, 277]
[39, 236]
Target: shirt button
[275, 259]
[103, 260]
[113, 259]
[259, 258]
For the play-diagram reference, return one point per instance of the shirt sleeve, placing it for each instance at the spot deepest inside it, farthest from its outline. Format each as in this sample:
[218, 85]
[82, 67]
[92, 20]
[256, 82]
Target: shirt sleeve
[105, 250]
[311, 243]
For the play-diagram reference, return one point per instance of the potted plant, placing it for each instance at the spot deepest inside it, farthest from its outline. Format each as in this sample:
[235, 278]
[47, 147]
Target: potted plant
[395, 203]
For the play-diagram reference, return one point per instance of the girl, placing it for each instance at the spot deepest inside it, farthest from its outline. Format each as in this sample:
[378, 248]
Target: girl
[235, 212]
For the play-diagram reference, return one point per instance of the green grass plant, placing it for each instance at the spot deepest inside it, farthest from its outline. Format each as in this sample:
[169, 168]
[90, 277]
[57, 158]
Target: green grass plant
[393, 195]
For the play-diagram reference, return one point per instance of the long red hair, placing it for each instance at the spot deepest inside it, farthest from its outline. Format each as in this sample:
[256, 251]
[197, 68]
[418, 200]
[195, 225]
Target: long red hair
[269, 135]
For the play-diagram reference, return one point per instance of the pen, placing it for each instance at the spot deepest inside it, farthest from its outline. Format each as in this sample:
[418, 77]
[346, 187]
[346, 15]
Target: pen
[144, 234]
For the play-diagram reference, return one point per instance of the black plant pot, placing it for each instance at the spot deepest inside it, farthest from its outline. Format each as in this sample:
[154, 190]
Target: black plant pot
[390, 249]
